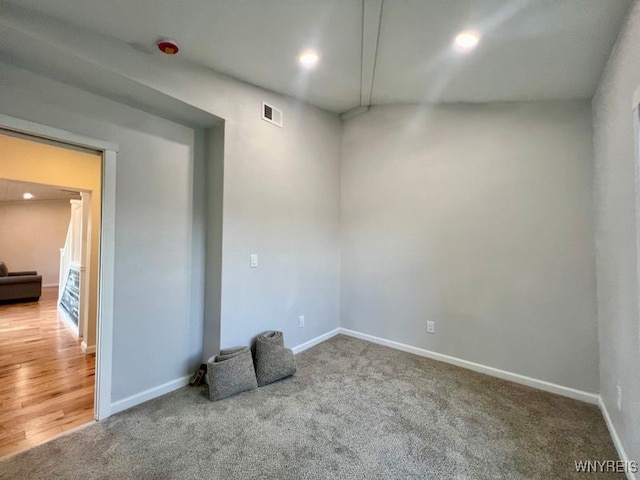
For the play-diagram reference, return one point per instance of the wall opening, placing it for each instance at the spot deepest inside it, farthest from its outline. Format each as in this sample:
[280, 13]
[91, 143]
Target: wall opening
[35, 153]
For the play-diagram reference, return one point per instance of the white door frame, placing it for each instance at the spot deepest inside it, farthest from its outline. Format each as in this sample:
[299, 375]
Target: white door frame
[635, 108]
[102, 404]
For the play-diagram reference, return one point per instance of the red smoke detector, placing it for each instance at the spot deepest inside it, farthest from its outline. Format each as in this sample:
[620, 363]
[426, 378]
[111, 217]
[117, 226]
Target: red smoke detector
[168, 47]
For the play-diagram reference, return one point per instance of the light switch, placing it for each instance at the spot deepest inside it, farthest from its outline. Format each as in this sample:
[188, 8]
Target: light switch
[254, 260]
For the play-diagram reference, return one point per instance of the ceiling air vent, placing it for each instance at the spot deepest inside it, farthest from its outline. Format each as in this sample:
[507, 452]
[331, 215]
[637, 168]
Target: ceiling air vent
[271, 114]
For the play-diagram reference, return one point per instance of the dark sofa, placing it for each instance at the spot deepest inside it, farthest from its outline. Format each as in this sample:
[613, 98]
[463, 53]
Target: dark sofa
[19, 286]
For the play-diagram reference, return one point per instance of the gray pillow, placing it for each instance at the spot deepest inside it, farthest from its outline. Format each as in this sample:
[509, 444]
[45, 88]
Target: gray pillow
[273, 361]
[231, 372]
[4, 271]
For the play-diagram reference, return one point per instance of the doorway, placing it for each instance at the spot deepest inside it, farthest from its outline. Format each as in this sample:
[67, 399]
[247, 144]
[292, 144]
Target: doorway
[48, 155]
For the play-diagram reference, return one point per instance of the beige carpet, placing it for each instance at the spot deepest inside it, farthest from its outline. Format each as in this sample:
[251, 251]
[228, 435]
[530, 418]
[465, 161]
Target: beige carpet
[354, 410]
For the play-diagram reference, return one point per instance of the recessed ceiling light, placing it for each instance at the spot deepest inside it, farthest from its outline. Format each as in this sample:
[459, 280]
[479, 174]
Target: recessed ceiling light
[27, 196]
[467, 40]
[308, 59]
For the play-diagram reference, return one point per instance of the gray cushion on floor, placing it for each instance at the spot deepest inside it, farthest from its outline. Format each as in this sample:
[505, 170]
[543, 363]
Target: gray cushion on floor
[273, 360]
[230, 372]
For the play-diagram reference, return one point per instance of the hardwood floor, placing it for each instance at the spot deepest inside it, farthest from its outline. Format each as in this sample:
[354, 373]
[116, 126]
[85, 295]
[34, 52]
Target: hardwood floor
[46, 381]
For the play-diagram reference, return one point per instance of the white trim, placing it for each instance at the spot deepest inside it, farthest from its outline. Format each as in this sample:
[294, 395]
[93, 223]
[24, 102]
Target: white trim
[51, 133]
[86, 349]
[616, 439]
[102, 404]
[315, 341]
[67, 321]
[636, 167]
[476, 367]
[49, 285]
[149, 394]
[106, 294]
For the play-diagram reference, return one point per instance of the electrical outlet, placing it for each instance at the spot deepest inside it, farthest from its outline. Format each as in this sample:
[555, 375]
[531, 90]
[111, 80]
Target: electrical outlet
[301, 321]
[431, 326]
[619, 397]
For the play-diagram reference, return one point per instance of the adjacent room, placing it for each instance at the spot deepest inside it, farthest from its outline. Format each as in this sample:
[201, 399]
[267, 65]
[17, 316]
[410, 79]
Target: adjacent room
[401, 237]
[47, 359]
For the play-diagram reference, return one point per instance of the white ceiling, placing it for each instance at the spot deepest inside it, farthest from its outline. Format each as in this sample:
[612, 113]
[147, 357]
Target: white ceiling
[391, 51]
[12, 191]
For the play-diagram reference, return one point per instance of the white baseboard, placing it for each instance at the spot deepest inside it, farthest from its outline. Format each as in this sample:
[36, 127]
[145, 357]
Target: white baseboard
[86, 349]
[68, 322]
[616, 439]
[315, 341]
[49, 285]
[588, 397]
[165, 388]
[150, 394]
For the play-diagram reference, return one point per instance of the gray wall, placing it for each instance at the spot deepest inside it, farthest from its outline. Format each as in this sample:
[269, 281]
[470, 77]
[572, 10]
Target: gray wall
[478, 217]
[280, 200]
[212, 177]
[616, 160]
[156, 338]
